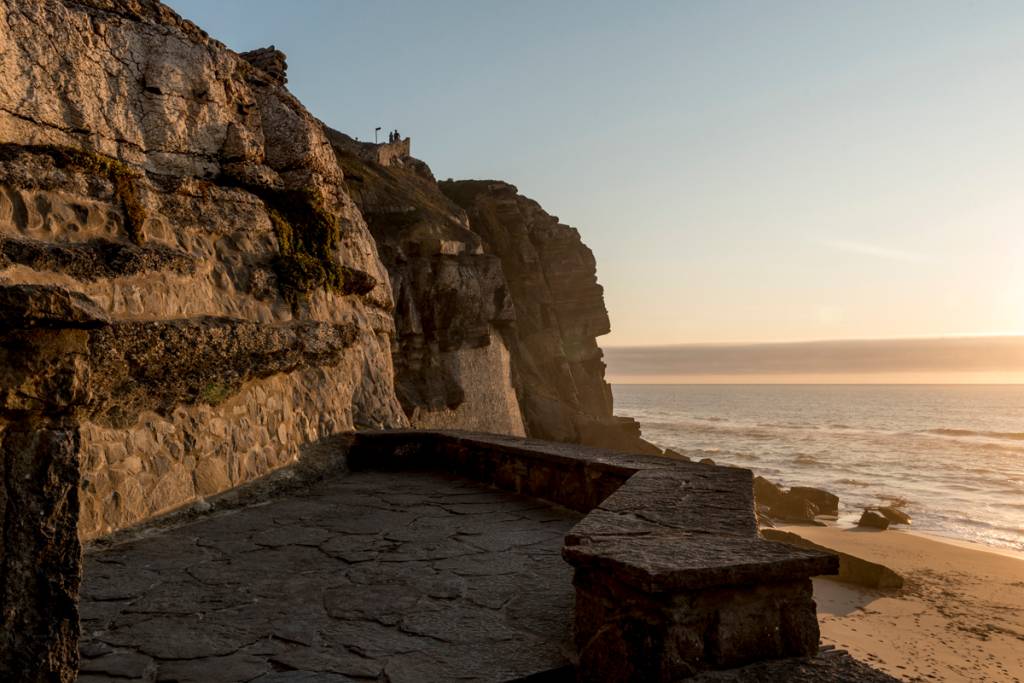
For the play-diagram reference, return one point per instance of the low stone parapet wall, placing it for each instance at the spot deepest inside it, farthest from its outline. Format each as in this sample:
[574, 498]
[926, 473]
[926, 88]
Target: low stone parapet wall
[671, 574]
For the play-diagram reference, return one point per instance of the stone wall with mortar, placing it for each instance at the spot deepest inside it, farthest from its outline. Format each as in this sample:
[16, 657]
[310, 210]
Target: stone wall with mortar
[163, 462]
[381, 153]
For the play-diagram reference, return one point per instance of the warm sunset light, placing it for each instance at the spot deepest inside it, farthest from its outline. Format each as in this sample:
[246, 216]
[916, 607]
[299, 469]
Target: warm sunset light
[582, 341]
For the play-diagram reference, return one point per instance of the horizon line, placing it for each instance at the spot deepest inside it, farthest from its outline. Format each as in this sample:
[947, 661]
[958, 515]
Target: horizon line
[818, 384]
[835, 340]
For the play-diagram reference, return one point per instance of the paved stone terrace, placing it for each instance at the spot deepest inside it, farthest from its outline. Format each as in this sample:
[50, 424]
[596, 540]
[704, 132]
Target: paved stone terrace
[394, 576]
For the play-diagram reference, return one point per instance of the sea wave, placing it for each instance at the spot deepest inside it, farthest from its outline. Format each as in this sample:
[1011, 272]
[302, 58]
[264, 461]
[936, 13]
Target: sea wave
[786, 425]
[949, 431]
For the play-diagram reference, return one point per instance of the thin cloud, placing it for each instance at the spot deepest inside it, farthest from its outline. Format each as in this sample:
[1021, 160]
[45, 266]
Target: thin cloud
[877, 251]
[862, 356]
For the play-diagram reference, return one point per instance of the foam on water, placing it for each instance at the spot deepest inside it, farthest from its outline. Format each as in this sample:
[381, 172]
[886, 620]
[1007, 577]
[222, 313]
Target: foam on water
[954, 453]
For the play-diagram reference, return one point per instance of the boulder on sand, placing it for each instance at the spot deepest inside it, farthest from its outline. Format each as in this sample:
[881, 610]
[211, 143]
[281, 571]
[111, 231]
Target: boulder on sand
[894, 515]
[794, 509]
[827, 503]
[766, 493]
[873, 520]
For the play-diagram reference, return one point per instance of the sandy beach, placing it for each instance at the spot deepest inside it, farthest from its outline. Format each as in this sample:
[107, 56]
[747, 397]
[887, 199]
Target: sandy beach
[960, 616]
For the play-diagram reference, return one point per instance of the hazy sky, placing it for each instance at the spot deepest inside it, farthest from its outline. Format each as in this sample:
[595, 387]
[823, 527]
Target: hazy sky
[744, 171]
[969, 360]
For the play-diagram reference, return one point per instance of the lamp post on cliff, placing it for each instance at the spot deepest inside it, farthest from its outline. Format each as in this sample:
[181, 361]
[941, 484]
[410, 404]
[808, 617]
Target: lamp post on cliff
[375, 131]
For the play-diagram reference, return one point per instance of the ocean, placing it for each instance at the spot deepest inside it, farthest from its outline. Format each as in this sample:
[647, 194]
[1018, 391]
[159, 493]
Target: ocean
[952, 454]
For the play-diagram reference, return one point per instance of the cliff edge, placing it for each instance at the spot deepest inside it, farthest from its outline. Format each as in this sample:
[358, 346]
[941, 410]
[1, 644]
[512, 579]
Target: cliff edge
[498, 308]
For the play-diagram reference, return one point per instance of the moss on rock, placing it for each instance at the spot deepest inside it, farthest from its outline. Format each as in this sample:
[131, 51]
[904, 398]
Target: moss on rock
[123, 177]
[308, 235]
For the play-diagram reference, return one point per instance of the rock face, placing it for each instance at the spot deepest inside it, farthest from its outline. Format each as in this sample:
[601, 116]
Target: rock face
[453, 312]
[40, 555]
[560, 312]
[151, 174]
[498, 309]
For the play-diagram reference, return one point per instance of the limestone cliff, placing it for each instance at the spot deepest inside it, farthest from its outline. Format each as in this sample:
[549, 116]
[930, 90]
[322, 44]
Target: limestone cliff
[491, 292]
[453, 311]
[165, 179]
[560, 312]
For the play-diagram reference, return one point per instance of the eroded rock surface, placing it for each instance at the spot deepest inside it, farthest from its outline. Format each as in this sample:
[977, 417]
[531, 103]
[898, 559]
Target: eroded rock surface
[413, 577]
[153, 178]
[453, 313]
[560, 312]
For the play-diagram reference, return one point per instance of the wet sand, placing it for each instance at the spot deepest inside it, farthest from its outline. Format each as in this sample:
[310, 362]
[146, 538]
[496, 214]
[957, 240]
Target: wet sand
[960, 616]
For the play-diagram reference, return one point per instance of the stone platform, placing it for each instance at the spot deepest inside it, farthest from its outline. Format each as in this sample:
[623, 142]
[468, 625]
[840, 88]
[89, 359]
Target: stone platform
[394, 576]
[423, 556]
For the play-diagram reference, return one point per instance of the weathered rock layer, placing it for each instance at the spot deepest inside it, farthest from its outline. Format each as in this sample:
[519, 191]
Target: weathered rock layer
[494, 297]
[162, 177]
[453, 313]
[560, 312]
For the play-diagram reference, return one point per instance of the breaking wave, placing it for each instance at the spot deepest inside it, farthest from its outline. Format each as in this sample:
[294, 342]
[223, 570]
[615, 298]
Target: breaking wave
[946, 431]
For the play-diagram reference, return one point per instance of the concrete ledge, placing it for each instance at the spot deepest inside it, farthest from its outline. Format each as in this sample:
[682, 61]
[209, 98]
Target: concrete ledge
[671, 575]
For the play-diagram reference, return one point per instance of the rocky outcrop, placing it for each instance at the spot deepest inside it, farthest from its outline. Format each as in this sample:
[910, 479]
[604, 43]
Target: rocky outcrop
[894, 515]
[872, 520]
[560, 312]
[270, 61]
[826, 503]
[800, 504]
[498, 309]
[452, 307]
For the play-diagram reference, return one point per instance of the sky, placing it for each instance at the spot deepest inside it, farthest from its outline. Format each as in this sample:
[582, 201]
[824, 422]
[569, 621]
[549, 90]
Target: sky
[744, 171]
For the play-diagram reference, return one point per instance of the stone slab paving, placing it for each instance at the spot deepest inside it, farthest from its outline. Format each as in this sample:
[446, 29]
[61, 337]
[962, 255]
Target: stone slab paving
[370, 576]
